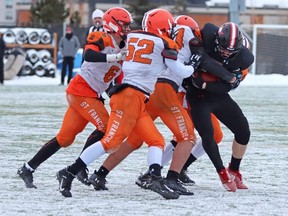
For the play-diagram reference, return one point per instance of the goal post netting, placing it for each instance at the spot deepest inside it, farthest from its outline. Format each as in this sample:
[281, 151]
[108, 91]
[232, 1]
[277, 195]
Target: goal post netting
[269, 45]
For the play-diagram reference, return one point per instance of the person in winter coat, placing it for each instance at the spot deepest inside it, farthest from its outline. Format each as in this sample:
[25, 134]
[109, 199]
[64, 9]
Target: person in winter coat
[68, 46]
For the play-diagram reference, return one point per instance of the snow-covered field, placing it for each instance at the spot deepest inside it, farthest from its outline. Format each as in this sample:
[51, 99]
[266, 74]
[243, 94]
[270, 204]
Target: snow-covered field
[31, 111]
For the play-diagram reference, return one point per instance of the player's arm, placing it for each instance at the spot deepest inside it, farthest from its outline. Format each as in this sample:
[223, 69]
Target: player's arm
[215, 68]
[176, 66]
[97, 41]
[218, 87]
[207, 63]
[222, 86]
[92, 54]
[199, 80]
[183, 71]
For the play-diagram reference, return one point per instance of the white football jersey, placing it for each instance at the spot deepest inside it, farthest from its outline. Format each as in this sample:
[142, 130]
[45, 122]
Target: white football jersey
[99, 75]
[183, 35]
[144, 62]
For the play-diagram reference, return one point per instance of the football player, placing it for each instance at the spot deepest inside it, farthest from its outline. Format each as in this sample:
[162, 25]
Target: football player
[103, 58]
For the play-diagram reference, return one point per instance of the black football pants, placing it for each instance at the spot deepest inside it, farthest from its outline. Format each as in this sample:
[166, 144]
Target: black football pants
[228, 112]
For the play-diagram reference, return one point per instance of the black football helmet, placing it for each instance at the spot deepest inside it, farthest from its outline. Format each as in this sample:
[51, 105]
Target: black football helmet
[229, 39]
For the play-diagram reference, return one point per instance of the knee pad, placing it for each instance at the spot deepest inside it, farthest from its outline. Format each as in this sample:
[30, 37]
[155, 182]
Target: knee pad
[65, 141]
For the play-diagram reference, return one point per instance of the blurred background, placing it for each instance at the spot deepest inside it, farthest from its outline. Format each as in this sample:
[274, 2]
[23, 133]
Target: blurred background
[264, 23]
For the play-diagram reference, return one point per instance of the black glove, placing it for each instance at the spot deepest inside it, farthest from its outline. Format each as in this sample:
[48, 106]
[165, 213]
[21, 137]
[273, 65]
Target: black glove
[194, 60]
[238, 78]
[238, 74]
[236, 83]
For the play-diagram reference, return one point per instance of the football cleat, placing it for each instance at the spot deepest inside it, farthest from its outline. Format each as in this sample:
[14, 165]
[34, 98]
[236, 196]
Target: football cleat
[177, 187]
[98, 182]
[184, 178]
[82, 176]
[227, 181]
[27, 176]
[237, 178]
[157, 184]
[65, 179]
[142, 180]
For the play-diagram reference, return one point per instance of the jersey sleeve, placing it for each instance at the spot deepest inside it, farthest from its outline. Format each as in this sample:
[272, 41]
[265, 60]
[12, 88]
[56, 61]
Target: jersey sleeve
[95, 43]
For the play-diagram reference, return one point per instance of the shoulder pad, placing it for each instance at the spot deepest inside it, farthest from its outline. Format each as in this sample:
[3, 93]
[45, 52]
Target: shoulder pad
[195, 42]
[93, 37]
[100, 39]
[243, 59]
[170, 54]
[248, 58]
[209, 29]
[210, 26]
[196, 45]
[169, 43]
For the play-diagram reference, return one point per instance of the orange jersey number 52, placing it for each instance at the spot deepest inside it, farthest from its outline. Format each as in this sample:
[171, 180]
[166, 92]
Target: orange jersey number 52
[144, 47]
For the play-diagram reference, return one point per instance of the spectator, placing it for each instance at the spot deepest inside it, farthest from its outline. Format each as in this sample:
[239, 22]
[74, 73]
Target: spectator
[68, 46]
[2, 51]
[97, 19]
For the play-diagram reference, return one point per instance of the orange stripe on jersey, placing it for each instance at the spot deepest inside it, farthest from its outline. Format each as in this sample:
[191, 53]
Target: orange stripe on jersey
[92, 47]
[179, 38]
[169, 43]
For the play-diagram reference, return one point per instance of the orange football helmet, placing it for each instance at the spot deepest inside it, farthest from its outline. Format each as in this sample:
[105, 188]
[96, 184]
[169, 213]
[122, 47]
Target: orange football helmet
[187, 21]
[117, 20]
[158, 21]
